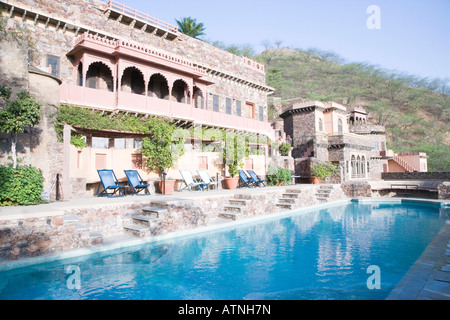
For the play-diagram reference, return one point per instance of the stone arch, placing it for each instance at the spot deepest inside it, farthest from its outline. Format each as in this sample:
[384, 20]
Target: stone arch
[132, 81]
[158, 87]
[99, 76]
[180, 91]
[340, 126]
[199, 99]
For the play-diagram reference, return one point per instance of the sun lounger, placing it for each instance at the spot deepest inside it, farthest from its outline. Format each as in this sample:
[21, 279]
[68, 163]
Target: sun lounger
[206, 179]
[135, 181]
[257, 180]
[189, 181]
[244, 181]
[109, 181]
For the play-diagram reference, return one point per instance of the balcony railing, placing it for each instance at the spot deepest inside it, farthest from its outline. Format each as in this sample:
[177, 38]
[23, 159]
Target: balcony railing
[131, 12]
[142, 104]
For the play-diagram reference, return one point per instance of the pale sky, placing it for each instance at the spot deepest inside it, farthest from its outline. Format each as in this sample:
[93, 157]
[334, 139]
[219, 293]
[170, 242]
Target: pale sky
[414, 35]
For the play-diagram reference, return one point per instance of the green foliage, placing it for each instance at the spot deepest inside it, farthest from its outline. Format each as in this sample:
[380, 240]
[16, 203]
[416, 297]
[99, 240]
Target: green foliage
[164, 145]
[246, 50]
[285, 148]
[5, 92]
[78, 141]
[190, 27]
[98, 120]
[323, 170]
[20, 186]
[275, 175]
[233, 170]
[414, 110]
[20, 113]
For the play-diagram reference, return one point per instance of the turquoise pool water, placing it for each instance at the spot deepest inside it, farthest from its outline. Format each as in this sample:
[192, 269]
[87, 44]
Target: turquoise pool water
[322, 254]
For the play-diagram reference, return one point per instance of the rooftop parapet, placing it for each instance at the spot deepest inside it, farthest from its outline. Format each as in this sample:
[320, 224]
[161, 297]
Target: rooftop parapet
[367, 129]
[134, 14]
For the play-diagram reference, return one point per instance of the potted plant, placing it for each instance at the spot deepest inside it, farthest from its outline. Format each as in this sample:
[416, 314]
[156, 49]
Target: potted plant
[162, 148]
[232, 181]
[234, 152]
[285, 148]
[284, 176]
[320, 171]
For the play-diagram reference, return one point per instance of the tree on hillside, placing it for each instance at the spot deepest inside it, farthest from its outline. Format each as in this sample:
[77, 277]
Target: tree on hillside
[190, 27]
[17, 115]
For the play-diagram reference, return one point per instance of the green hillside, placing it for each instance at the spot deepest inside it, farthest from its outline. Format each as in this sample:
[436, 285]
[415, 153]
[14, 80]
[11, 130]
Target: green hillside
[415, 111]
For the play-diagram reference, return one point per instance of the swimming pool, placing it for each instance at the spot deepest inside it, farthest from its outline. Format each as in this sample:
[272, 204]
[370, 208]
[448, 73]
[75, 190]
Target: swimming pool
[319, 254]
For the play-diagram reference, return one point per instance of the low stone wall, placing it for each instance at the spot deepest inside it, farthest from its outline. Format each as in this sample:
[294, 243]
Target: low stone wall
[85, 225]
[444, 191]
[443, 176]
[357, 189]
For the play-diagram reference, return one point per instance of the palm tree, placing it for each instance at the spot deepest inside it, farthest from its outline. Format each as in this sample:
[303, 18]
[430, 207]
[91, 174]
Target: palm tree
[190, 27]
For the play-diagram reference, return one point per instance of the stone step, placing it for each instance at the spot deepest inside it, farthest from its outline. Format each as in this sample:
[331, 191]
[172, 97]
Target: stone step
[326, 195]
[291, 195]
[243, 196]
[293, 191]
[70, 219]
[229, 215]
[145, 220]
[322, 199]
[239, 202]
[234, 208]
[96, 238]
[288, 206]
[154, 211]
[326, 188]
[324, 191]
[138, 230]
[287, 200]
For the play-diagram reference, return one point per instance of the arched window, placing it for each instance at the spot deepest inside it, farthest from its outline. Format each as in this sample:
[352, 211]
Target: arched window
[157, 87]
[358, 165]
[199, 101]
[320, 125]
[180, 92]
[340, 128]
[80, 74]
[363, 165]
[99, 76]
[353, 165]
[133, 81]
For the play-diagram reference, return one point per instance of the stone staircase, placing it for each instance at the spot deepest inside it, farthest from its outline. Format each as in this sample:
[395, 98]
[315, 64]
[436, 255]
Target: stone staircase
[236, 207]
[323, 194]
[146, 223]
[84, 233]
[289, 199]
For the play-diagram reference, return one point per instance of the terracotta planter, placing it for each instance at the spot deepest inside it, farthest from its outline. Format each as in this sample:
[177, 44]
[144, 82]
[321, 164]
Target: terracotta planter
[168, 188]
[231, 183]
[315, 180]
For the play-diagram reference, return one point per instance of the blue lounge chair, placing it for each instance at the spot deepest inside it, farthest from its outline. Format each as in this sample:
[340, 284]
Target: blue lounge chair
[257, 180]
[109, 182]
[206, 179]
[244, 180]
[189, 181]
[135, 181]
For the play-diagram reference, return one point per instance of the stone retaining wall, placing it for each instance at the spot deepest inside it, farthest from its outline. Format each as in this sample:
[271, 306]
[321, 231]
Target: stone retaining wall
[443, 176]
[38, 234]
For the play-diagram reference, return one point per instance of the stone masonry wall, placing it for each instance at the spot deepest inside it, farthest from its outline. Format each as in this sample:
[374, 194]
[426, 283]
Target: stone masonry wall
[91, 14]
[444, 191]
[85, 226]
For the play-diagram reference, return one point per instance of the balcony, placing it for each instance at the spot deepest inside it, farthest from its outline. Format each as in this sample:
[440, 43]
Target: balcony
[350, 139]
[146, 105]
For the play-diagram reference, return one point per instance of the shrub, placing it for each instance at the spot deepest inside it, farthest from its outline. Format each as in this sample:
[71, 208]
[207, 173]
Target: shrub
[285, 148]
[20, 186]
[275, 175]
[323, 170]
